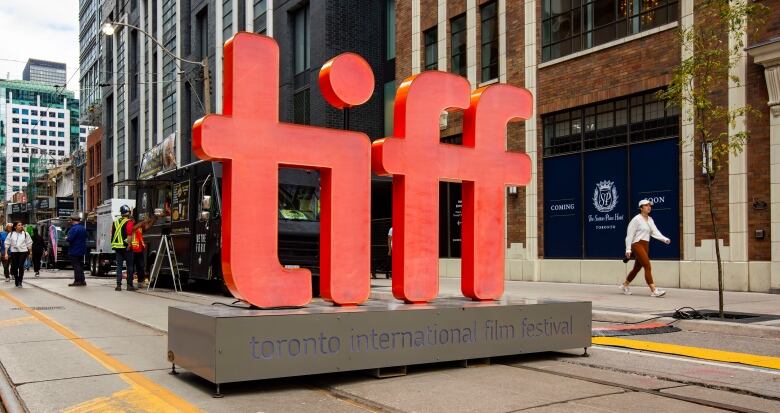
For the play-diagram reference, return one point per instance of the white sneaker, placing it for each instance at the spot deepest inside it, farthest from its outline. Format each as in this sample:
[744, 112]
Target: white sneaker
[626, 290]
[658, 293]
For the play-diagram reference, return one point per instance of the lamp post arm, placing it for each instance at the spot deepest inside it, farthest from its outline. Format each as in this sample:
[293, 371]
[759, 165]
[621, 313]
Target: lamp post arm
[165, 49]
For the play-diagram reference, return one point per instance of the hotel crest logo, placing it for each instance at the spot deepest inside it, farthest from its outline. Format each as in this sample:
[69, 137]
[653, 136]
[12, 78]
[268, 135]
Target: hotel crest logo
[605, 196]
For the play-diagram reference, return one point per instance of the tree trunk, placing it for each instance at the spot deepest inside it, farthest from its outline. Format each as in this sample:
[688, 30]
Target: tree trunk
[717, 243]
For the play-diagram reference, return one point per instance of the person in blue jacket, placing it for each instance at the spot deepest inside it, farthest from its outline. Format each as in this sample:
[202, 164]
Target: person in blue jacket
[6, 230]
[77, 247]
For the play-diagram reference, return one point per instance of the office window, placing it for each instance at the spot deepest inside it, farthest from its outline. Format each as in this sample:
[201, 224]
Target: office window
[16, 188]
[15, 130]
[61, 134]
[25, 131]
[431, 48]
[34, 151]
[34, 131]
[61, 153]
[34, 112]
[389, 101]
[61, 124]
[44, 123]
[52, 143]
[25, 121]
[390, 29]
[25, 141]
[301, 110]
[489, 16]
[260, 10]
[458, 44]
[25, 111]
[52, 133]
[301, 40]
[15, 111]
[14, 120]
[34, 122]
[15, 159]
[35, 141]
[227, 19]
[15, 140]
[52, 115]
[570, 26]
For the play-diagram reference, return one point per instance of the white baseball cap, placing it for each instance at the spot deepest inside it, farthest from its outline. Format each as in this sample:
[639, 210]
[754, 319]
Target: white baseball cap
[644, 202]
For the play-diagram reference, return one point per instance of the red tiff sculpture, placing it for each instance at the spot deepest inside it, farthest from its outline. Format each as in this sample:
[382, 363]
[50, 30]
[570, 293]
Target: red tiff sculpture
[253, 144]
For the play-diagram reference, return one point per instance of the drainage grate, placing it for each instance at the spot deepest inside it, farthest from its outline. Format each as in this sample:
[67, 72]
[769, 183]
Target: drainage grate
[38, 308]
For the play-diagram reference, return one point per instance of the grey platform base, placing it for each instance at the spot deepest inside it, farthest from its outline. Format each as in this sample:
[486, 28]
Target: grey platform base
[223, 344]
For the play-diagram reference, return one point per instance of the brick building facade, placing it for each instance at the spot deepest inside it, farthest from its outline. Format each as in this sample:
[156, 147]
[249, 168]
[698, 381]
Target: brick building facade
[594, 69]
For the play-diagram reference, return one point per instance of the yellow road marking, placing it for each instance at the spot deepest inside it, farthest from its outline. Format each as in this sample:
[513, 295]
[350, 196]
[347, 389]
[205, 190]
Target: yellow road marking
[16, 321]
[158, 397]
[695, 352]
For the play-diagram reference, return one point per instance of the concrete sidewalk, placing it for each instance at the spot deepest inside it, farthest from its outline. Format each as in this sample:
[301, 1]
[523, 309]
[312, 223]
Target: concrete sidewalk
[609, 303]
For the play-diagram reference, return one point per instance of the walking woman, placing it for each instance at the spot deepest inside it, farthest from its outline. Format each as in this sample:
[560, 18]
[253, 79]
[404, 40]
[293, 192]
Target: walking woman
[640, 229]
[19, 245]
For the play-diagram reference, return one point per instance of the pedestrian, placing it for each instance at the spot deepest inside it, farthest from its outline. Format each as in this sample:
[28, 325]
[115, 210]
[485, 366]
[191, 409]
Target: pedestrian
[122, 228]
[39, 245]
[638, 234]
[77, 247]
[138, 246]
[390, 253]
[7, 229]
[18, 246]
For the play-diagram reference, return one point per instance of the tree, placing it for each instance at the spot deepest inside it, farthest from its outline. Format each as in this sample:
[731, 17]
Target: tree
[713, 47]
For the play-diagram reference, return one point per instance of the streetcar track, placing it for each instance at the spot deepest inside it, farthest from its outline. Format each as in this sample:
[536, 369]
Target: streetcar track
[701, 402]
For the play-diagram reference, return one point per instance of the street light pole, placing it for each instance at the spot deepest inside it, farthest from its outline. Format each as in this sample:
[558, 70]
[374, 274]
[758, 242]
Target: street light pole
[109, 28]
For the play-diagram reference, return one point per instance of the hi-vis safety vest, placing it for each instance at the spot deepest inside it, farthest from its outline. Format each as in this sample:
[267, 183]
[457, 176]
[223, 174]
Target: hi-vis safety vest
[118, 241]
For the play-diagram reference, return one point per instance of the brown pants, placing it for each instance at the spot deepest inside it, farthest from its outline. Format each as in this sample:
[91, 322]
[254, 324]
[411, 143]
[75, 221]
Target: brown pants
[641, 251]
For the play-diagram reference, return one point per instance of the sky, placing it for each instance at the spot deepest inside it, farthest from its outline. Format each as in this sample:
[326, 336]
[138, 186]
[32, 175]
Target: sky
[39, 29]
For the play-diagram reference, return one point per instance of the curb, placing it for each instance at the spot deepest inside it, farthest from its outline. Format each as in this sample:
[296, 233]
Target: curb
[708, 326]
[704, 326]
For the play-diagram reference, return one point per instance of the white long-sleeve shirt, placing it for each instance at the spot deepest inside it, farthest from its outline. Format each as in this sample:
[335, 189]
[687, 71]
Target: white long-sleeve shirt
[18, 242]
[641, 230]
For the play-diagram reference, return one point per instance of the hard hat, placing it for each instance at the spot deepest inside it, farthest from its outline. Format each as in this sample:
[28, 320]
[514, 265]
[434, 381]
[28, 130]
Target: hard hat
[124, 210]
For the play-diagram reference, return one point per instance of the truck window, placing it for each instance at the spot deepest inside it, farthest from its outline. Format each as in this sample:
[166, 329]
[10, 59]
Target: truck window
[299, 203]
[164, 196]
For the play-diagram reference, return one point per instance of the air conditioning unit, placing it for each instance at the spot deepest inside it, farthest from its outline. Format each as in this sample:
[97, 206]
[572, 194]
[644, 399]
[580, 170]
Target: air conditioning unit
[443, 120]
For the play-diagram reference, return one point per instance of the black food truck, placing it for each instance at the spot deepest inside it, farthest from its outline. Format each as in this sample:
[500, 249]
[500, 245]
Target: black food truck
[186, 202]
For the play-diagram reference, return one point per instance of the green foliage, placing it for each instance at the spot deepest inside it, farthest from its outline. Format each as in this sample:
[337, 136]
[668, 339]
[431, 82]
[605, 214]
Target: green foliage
[711, 49]
[707, 65]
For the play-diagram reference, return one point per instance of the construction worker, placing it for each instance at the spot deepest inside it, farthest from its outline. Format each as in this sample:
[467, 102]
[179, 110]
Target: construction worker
[120, 231]
[138, 246]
